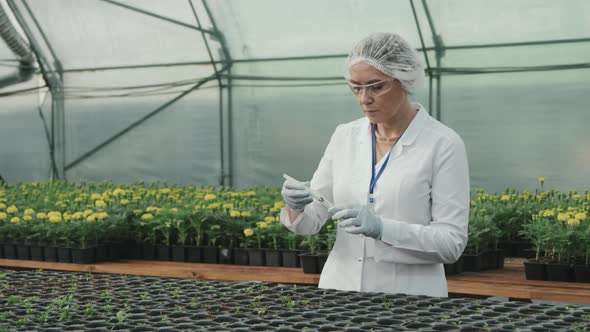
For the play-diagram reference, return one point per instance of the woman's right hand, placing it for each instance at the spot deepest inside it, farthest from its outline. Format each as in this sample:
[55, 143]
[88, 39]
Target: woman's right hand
[296, 194]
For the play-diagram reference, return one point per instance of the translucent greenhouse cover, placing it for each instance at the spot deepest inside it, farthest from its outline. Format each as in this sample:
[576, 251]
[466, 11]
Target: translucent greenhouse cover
[238, 92]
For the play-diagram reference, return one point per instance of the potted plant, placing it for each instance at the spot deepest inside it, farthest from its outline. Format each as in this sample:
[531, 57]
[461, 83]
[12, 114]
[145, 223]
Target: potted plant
[309, 258]
[480, 226]
[290, 255]
[256, 253]
[273, 256]
[537, 231]
[582, 267]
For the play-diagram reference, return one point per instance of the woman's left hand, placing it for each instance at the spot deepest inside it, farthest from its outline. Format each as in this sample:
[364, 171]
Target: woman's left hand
[358, 221]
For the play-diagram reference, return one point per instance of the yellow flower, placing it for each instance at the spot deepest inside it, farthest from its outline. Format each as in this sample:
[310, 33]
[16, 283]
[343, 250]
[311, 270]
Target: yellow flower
[273, 210]
[197, 207]
[562, 217]
[2, 206]
[548, 213]
[55, 218]
[246, 214]
[248, 232]
[251, 193]
[269, 219]
[87, 212]
[577, 197]
[261, 224]
[210, 197]
[15, 220]
[173, 210]
[580, 216]
[95, 196]
[147, 216]
[67, 216]
[100, 204]
[91, 217]
[234, 213]
[279, 205]
[28, 218]
[3, 216]
[29, 212]
[124, 201]
[137, 212]
[41, 215]
[228, 206]
[151, 208]
[504, 198]
[78, 199]
[12, 209]
[213, 206]
[573, 222]
[541, 180]
[101, 215]
[78, 215]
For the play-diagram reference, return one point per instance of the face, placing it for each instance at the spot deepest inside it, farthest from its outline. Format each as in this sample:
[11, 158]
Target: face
[379, 108]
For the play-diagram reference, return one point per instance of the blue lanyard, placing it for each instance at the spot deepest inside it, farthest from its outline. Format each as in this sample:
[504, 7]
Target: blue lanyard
[374, 161]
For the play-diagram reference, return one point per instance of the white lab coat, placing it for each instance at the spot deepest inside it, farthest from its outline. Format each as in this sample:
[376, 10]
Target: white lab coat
[422, 198]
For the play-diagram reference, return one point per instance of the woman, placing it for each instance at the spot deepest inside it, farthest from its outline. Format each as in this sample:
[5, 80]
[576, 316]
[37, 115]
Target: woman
[397, 177]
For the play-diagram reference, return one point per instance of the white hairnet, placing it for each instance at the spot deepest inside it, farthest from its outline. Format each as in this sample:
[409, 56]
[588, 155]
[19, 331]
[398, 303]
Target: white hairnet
[392, 55]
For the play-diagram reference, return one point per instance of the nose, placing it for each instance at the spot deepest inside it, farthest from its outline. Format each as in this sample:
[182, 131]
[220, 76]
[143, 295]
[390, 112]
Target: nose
[364, 97]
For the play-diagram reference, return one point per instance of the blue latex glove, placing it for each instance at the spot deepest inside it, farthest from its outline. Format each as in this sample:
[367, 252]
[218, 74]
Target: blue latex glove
[296, 194]
[358, 221]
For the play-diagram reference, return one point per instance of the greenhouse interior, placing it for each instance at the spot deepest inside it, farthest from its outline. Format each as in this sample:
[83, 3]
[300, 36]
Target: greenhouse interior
[149, 152]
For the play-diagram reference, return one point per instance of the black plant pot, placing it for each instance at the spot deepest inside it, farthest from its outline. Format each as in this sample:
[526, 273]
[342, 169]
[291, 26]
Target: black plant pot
[454, 268]
[37, 253]
[241, 256]
[535, 270]
[290, 258]
[9, 250]
[163, 252]
[1, 249]
[499, 259]
[50, 253]
[148, 251]
[114, 251]
[64, 254]
[194, 254]
[256, 256]
[488, 260]
[225, 256]
[84, 256]
[273, 257]
[309, 263]
[210, 255]
[101, 253]
[179, 253]
[322, 258]
[519, 248]
[582, 273]
[473, 263]
[133, 250]
[559, 272]
[23, 251]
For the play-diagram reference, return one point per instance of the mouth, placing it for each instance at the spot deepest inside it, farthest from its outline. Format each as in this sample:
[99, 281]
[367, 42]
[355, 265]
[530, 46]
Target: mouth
[370, 112]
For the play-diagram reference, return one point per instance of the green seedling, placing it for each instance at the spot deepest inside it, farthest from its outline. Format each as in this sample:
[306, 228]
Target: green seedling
[89, 310]
[120, 317]
[144, 297]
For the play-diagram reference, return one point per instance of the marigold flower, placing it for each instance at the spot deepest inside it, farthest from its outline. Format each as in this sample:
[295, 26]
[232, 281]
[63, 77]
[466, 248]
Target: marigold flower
[279, 205]
[541, 180]
[151, 208]
[248, 232]
[41, 215]
[563, 217]
[12, 209]
[209, 197]
[87, 212]
[174, 210]
[2, 206]
[573, 222]
[580, 216]
[91, 217]
[15, 220]
[55, 218]
[95, 196]
[269, 219]
[28, 218]
[78, 215]
[101, 215]
[246, 214]
[228, 206]
[29, 212]
[100, 204]
[234, 213]
[261, 224]
[3, 216]
[251, 193]
[147, 216]
[124, 201]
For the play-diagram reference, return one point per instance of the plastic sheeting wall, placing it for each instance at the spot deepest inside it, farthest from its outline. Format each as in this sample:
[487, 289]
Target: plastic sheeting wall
[516, 126]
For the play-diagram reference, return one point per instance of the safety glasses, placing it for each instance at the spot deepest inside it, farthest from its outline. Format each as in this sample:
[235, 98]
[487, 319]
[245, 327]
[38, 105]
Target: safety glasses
[375, 89]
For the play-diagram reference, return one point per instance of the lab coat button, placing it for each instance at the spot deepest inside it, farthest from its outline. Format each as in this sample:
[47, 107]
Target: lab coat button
[360, 259]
